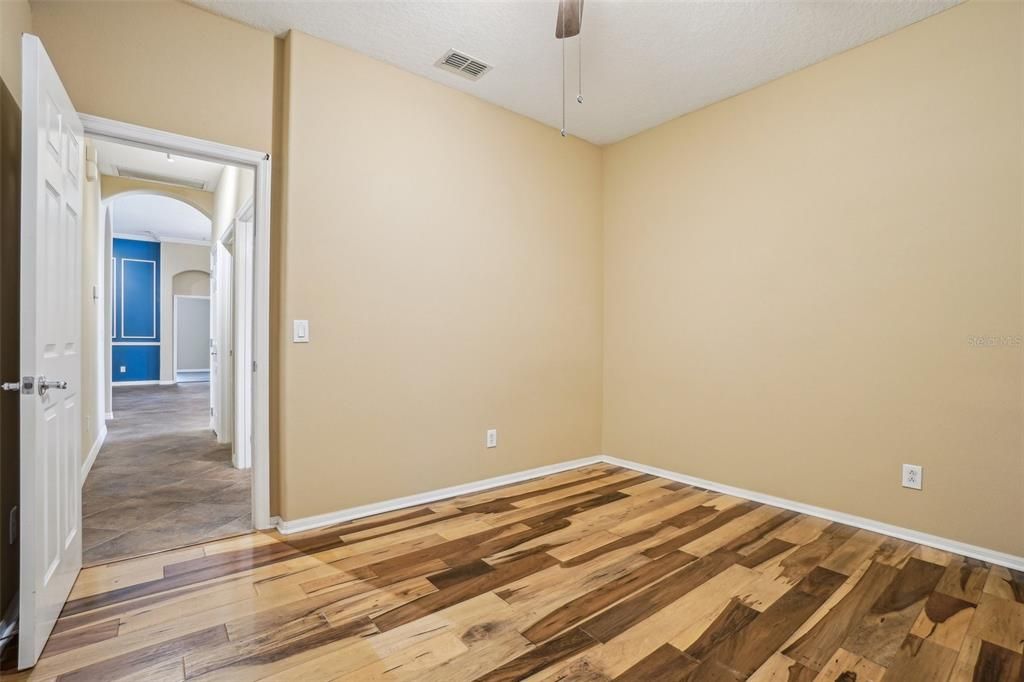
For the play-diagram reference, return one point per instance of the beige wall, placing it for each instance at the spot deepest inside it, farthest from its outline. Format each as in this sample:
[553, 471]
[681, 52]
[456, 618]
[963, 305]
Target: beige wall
[163, 64]
[793, 277]
[175, 259]
[191, 283]
[790, 277]
[15, 19]
[448, 256]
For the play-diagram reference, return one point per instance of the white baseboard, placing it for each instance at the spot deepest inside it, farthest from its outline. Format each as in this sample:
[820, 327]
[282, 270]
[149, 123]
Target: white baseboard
[153, 382]
[108, 416]
[331, 518]
[170, 382]
[955, 546]
[93, 451]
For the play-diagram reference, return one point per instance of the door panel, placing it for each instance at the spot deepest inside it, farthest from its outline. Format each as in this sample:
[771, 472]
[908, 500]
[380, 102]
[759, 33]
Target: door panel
[51, 448]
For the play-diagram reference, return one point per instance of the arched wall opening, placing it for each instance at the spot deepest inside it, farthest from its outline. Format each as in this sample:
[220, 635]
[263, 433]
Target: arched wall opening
[155, 236]
[191, 283]
[190, 342]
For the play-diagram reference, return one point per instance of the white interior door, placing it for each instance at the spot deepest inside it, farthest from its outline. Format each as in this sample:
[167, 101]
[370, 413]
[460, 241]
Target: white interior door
[214, 351]
[51, 448]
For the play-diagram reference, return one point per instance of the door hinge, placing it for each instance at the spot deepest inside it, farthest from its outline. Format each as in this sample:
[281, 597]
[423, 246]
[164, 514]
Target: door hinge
[26, 386]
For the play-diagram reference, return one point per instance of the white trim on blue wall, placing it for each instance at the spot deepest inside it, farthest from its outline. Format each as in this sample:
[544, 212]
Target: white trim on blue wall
[152, 263]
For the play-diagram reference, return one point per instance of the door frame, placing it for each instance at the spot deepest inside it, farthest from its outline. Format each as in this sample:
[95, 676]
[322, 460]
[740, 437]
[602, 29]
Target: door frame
[260, 164]
[238, 241]
[174, 340]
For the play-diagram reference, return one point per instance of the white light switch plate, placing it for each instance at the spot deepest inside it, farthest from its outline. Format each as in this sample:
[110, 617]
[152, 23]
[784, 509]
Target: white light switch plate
[492, 438]
[300, 331]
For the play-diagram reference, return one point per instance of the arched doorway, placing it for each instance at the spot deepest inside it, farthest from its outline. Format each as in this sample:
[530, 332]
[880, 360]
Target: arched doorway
[190, 342]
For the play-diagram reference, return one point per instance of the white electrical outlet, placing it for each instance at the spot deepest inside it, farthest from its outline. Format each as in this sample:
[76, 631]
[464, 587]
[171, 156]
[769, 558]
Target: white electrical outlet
[912, 474]
[123, 369]
[492, 438]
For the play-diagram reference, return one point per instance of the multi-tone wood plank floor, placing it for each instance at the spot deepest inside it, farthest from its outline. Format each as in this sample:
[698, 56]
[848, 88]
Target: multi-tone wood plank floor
[592, 574]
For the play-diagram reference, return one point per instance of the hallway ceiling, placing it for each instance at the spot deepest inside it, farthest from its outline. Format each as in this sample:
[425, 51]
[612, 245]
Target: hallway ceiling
[643, 62]
[158, 218]
[124, 160]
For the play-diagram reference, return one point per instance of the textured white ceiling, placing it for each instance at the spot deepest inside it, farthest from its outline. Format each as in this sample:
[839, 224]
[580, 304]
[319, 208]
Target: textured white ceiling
[643, 62]
[113, 157]
[157, 217]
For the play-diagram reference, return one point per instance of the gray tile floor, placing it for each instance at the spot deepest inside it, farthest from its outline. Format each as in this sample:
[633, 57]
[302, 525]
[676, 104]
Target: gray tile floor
[161, 479]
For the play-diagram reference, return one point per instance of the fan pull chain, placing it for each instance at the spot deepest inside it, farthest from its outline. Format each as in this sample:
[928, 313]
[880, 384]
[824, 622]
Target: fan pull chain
[563, 75]
[579, 61]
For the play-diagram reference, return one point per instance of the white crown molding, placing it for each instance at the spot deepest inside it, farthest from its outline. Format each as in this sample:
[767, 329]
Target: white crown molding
[135, 237]
[331, 518]
[160, 239]
[93, 451]
[182, 240]
[955, 546]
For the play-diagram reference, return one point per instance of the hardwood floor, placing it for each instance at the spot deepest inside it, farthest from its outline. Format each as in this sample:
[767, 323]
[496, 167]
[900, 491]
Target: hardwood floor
[593, 574]
[161, 479]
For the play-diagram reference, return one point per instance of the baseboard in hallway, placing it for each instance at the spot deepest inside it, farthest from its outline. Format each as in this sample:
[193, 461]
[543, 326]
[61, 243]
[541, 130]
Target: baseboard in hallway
[93, 452]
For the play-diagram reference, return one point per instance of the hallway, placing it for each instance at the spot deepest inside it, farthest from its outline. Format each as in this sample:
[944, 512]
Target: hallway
[161, 479]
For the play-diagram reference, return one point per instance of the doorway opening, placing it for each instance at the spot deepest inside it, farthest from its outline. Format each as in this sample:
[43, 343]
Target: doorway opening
[175, 466]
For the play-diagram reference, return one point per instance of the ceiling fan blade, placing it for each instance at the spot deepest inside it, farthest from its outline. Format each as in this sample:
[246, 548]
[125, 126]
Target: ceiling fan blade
[570, 16]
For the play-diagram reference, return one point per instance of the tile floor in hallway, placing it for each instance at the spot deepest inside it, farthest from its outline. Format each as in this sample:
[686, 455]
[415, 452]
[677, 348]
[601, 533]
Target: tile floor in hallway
[161, 479]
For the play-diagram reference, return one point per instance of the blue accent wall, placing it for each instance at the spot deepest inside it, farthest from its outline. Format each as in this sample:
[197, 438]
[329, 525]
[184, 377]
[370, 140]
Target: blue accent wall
[136, 315]
[141, 363]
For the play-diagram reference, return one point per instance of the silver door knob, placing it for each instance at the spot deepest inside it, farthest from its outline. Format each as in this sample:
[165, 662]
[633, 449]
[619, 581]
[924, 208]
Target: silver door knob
[11, 386]
[46, 384]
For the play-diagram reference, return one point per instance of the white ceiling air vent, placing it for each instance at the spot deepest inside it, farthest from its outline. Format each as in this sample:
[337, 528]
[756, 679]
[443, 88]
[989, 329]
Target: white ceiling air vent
[137, 174]
[462, 64]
